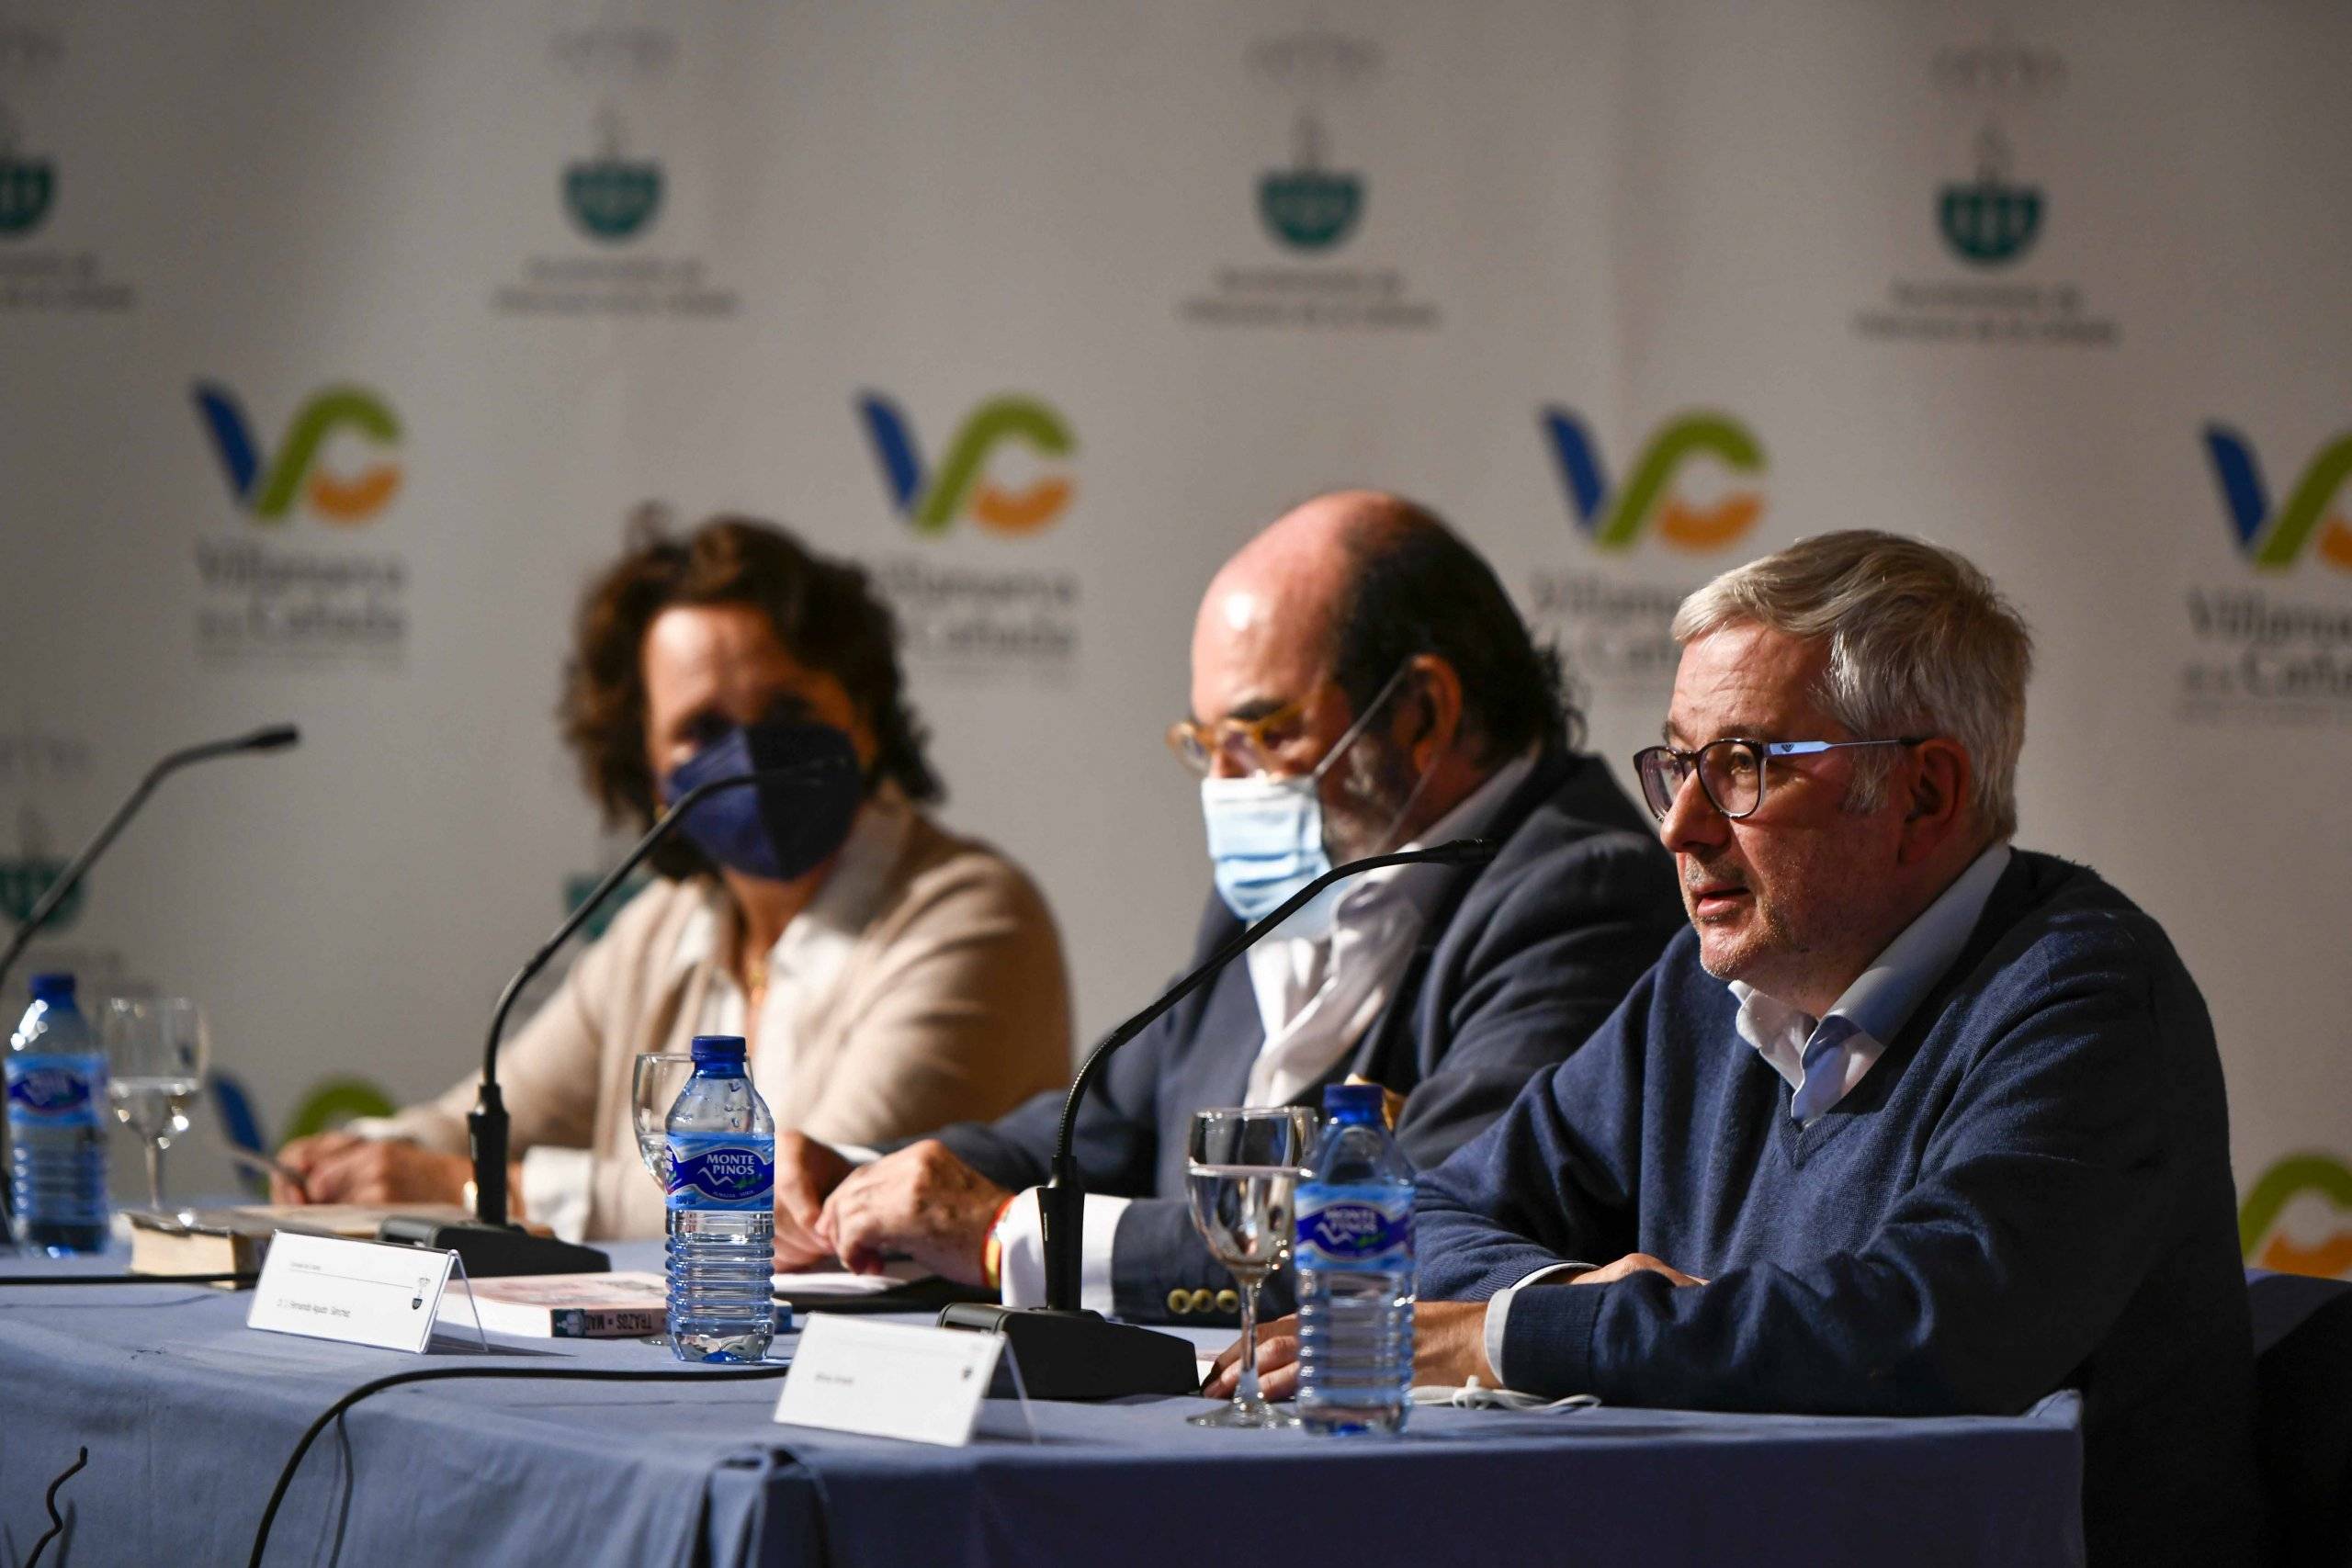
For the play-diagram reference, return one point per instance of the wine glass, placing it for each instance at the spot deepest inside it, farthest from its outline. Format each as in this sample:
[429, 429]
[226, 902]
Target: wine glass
[1242, 1177]
[660, 1077]
[156, 1049]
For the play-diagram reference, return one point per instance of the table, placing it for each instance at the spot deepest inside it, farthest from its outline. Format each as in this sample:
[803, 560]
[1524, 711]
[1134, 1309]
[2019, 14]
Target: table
[188, 1414]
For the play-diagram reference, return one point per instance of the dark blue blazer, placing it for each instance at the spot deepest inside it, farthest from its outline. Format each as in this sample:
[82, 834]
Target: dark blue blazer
[1520, 960]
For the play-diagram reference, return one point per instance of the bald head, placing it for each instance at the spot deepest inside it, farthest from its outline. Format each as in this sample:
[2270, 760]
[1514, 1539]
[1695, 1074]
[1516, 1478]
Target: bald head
[1360, 614]
[1277, 601]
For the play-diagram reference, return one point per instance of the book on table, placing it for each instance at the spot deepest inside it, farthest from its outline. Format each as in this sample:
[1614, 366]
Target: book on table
[234, 1239]
[903, 1285]
[616, 1306]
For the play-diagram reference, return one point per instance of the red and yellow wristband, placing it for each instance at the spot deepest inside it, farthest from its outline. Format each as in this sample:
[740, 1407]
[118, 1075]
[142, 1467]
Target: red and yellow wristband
[992, 1247]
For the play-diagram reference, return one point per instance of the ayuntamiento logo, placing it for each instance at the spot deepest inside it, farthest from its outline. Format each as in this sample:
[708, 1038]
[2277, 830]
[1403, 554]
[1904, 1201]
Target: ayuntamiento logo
[1308, 206]
[1989, 221]
[2006, 89]
[1648, 500]
[267, 487]
[37, 764]
[611, 196]
[931, 499]
[1311, 206]
[2307, 519]
[23, 880]
[28, 185]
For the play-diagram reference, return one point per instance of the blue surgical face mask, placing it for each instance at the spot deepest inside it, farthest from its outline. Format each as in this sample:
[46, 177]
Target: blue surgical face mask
[1266, 836]
[780, 830]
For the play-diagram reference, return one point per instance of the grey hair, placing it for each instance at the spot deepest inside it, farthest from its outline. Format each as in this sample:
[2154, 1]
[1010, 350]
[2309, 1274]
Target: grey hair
[1920, 642]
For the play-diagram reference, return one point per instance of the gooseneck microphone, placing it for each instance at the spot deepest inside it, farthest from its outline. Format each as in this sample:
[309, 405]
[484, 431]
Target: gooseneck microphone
[1065, 1351]
[270, 738]
[490, 1246]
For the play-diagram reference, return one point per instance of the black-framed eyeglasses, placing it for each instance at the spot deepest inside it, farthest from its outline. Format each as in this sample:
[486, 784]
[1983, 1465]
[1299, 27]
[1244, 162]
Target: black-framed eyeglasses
[1731, 771]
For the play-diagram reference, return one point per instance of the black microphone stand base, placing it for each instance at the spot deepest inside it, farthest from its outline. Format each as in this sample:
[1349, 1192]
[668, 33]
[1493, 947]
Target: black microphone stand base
[494, 1251]
[1079, 1355]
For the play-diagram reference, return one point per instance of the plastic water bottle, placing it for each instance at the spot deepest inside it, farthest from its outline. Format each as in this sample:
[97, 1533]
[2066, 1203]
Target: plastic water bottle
[57, 1143]
[1354, 1257]
[723, 1209]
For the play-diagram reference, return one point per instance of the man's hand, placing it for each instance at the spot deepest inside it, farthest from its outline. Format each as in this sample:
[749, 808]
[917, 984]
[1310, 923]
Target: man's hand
[1449, 1349]
[806, 1174]
[340, 1167]
[1634, 1263]
[922, 1201]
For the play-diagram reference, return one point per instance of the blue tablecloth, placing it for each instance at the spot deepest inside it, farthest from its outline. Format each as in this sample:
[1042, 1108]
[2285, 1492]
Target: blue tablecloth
[188, 1414]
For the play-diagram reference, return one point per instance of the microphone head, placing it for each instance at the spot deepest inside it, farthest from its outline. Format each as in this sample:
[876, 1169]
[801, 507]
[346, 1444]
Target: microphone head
[271, 738]
[1464, 851]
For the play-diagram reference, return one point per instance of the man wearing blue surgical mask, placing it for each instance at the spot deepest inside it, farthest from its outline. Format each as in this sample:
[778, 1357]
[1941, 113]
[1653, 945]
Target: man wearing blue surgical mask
[1360, 683]
[888, 974]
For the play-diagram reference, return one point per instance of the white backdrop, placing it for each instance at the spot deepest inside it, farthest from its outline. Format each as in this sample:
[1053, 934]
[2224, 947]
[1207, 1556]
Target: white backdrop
[576, 256]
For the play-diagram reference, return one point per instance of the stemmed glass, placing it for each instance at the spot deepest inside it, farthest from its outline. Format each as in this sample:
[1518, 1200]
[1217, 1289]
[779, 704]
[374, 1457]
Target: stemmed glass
[156, 1049]
[1243, 1178]
[660, 1077]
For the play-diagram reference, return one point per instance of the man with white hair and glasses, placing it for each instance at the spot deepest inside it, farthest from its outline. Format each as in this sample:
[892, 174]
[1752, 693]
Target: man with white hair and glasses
[1909, 1122]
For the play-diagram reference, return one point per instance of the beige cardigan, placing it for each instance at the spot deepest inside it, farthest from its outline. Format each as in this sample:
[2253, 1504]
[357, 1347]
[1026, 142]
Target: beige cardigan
[951, 1005]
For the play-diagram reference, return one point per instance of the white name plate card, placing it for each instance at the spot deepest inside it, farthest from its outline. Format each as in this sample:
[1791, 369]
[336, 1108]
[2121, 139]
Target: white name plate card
[888, 1380]
[361, 1293]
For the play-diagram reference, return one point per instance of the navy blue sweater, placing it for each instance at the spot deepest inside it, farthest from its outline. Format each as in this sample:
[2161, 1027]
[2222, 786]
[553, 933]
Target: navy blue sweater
[2030, 1189]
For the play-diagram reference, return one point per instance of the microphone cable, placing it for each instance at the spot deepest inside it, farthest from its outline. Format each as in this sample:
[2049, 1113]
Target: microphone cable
[240, 1280]
[436, 1375]
[423, 1375]
[49, 1501]
[56, 1521]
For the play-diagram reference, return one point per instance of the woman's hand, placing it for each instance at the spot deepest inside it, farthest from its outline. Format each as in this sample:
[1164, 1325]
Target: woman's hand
[342, 1167]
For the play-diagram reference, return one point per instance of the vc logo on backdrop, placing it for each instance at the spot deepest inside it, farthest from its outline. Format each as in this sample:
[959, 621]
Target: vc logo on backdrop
[270, 594]
[2255, 651]
[267, 486]
[2320, 1187]
[2307, 519]
[932, 498]
[997, 614]
[1611, 611]
[1614, 517]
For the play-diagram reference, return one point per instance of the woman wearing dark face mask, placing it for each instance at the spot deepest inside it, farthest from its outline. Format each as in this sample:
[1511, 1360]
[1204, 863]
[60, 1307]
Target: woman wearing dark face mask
[889, 978]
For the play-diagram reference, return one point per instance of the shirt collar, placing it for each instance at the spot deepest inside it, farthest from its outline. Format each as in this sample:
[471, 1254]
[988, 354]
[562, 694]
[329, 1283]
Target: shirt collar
[1377, 918]
[1882, 997]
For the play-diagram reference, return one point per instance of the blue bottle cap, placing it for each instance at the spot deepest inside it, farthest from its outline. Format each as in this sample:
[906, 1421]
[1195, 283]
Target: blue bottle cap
[1352, 1102]
[54, 987]
[718, 1050]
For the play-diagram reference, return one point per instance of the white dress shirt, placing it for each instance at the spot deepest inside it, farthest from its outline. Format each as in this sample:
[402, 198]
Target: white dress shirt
[804, 963]
[1821, 1059]
[1316, 997]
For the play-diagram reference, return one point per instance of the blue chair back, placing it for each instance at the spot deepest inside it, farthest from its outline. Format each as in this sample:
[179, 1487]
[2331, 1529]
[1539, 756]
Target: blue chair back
[2302, 1349]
